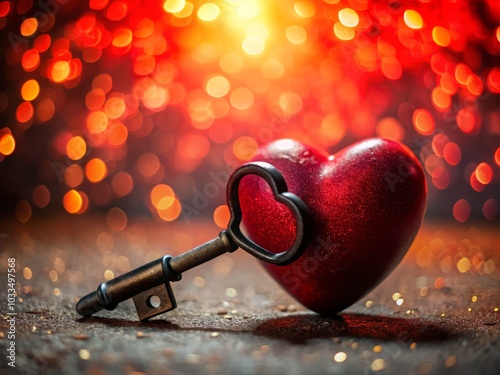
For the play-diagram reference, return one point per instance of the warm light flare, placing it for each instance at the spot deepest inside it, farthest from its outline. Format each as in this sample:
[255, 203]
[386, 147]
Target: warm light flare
[423, 122]
[97, 122]
[208, 12]
[248, 9]
[72, 201]
[29, 26]
[122, 38]
[305, 9]
[253, 45]
[348, 17]
[30, 90]
[172, 212]
[30, 60]
[96, 170]
[244, 147]
[222, 216]
[59, 71]
[174, 6]
[413, 19]
[342, 32]
[114, 107]
[7, 144]
[217, 86]
[76, 148]
[441, 36]
[162, 196]
[484, 173]
[242, 98]
[296, 34]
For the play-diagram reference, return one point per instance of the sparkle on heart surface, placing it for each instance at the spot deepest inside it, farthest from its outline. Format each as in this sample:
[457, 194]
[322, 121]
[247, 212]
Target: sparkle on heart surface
[108, 103]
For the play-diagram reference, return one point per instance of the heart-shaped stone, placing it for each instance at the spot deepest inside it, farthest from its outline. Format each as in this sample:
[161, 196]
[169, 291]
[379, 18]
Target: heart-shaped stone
[366, 203]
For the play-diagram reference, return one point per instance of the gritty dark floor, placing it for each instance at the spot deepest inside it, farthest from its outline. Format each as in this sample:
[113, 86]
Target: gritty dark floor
[437, 313]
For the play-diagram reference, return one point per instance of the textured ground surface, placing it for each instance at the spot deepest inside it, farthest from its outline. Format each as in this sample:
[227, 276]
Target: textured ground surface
[233, 318]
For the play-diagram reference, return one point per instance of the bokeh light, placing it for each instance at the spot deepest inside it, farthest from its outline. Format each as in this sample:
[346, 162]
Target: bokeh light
[96, 170]
[7, 144]
[76, 148]
[221, 216]
[108, 101]
[72, 201]
[413, 19]
[461, 210]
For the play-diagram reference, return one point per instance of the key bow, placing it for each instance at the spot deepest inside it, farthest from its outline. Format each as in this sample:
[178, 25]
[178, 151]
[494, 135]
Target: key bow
[281, 194]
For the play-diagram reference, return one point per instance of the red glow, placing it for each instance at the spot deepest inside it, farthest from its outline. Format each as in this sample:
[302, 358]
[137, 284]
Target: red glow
[24, 112]
[466, 121]
[73, 201]
[452, 153]
[448, 83]
[461, 210]
[122, 184]
[438, 144]
[7, 144]
[474, 182]
[490, 209]
[117, 134]
[117, 11]
[41, 196]
[484, 173]
[494, 80]
[30, 60]
[4, 8]
[138, 92]
[462, 72]
[441, 99]
[59, 71]
[423, 122]
[73, 175]
[42, 43]
[98, 4]
[389, 128]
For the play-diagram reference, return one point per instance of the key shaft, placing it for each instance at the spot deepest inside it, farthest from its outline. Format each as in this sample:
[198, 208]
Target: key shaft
[203, 253]
[151, 280]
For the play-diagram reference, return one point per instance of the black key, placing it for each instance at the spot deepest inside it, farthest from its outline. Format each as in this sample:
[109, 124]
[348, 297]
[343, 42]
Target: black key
[149, 285]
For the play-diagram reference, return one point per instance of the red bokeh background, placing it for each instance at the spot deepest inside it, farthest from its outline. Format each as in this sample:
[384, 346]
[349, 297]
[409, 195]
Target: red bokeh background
[132, 107]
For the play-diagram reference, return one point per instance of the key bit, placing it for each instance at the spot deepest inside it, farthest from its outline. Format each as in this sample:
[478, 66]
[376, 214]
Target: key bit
[149, 285]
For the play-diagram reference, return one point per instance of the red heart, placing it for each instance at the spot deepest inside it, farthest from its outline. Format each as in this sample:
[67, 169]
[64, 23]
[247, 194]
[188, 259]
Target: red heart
[366, 203]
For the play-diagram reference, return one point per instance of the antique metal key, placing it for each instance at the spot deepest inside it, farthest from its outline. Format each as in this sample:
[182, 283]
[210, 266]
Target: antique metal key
[150, 283]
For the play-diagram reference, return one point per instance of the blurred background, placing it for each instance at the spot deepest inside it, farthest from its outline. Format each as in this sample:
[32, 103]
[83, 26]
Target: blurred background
[126, 108]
